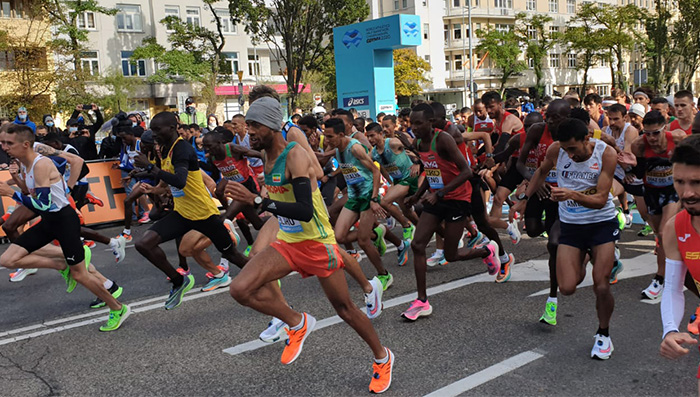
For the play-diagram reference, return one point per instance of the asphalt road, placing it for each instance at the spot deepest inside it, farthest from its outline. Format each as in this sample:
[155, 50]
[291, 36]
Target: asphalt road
[482, 338]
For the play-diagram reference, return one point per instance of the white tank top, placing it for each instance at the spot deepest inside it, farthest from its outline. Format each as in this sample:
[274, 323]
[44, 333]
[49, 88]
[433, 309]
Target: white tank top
[58, 189]
[620, 143]
[583, 177]
[66, 175]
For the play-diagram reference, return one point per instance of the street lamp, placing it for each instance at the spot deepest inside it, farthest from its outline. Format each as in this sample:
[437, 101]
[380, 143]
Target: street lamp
[464, 57]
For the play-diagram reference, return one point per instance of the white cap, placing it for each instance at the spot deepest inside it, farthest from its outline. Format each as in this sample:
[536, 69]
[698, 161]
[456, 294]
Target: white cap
[638, 109]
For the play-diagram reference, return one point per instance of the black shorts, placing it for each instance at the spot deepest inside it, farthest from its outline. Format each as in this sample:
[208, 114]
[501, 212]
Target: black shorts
[589, 235]
[477, 203]
[175, 225]
[78, 193]
[512, 178]
[657, 198]
[635, 190]
[64, 226]
[536, 207]
[250, 185]
[449, 210]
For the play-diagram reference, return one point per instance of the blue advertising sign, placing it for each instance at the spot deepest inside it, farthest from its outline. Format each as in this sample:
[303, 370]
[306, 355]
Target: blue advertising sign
[364, 62]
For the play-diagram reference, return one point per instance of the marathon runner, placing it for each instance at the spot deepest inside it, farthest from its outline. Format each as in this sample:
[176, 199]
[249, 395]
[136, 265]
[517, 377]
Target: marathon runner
[684, 105]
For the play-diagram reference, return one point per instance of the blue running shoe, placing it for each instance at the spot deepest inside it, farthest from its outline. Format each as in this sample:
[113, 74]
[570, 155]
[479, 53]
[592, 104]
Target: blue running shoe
[403, 254]
[214, 283]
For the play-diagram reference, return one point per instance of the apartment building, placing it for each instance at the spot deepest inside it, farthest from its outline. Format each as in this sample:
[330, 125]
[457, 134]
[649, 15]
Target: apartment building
[446, 46]
[112, 40]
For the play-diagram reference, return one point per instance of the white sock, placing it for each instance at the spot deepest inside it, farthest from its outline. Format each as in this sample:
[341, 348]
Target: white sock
[300, 325]
[400, 247]
[223, 262]
[439, 252]
[127, 232]
[108, 284]
[553, 300]
[504, 258]
[383, 360]
[113, 242]
[219, 275]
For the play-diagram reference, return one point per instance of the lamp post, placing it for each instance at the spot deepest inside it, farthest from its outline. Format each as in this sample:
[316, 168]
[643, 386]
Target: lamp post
[471, 64]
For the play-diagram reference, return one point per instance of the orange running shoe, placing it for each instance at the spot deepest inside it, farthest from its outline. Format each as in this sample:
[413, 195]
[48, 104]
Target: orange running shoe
[94, 200]
[381, 376]
[295, 340]
[694, 322]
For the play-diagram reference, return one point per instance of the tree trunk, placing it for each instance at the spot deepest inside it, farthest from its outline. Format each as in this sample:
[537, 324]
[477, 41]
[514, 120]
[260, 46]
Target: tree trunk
[585, 79]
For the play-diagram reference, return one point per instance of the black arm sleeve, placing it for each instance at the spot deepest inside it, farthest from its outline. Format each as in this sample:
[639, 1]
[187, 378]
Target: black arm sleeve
[181, 163]
[97, 124]
[640, 168]
[301, 210]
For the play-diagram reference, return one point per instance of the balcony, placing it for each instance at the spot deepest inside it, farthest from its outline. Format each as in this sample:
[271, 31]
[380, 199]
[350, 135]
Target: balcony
[481, 73]
[484, 11]
[458, 44]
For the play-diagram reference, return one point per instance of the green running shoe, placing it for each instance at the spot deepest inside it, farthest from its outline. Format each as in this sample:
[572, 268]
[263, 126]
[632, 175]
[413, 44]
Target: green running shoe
[247, 250]
[116, 292]
[386, 279]
[176, 294]
[408, 232]
[70, 281]
[621, 219]
[646, 230]
[550, 314]
[116, 318]
[379, 241]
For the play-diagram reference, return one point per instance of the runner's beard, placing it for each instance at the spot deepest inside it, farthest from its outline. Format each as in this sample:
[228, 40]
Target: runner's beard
[691, 211]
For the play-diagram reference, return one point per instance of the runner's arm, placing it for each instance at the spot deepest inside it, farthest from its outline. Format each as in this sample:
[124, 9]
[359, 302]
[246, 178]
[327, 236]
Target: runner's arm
[361, 154]
[540, 174]
[41, 201]
[180, 165]
[480, 135]
[672, 300]
[75, 162]
[630, 136]
[299, 168]
[637, 149]
[298, 136]
[449, 147]
[532, 139]
[510, 148]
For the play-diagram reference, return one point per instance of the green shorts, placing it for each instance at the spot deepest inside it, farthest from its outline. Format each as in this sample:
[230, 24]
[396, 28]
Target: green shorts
[358, 204]
[411, 182]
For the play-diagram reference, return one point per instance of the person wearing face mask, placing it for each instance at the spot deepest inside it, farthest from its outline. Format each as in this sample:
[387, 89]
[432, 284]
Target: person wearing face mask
[50, 124]
[212, 122]
[191, 115]
[136, 124]
[23, 119]
[84, 142]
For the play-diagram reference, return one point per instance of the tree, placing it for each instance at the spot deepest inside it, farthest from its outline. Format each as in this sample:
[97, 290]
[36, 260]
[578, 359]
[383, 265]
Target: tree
[538, 40]
[582, 38]
[617, 33]
[298, 31]
[409, 72]
[196, 55]
[686, 41]
[504, 50]
[659, 52]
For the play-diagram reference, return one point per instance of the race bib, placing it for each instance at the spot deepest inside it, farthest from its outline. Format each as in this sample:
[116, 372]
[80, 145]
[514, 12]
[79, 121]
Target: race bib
[177, 192]
[551, 176]
[351, 174]
[233, 175]
[660, 177]
[434, 177]
[289, 225]
[394, 172]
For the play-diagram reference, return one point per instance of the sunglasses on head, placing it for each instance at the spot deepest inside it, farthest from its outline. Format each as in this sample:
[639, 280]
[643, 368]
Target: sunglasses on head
[653, 133]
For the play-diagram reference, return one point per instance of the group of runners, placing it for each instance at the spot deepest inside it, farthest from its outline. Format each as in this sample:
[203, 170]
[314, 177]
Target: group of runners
[316, 190]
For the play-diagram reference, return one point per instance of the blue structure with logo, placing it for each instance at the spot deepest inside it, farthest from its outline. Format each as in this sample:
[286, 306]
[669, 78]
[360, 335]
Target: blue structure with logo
[364, 61]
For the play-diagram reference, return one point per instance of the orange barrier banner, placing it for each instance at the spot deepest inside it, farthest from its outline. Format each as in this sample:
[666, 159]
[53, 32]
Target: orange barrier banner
[105, 183]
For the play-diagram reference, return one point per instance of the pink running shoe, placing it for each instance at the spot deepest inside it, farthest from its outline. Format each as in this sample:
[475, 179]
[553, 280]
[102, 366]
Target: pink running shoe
[417, 309]
[492, 261]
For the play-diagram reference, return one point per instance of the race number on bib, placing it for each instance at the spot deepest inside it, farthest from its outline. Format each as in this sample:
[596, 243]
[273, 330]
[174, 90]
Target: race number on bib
[177, 192]
[394, 172]
[289, 225]
[351, 174]
[434, 177]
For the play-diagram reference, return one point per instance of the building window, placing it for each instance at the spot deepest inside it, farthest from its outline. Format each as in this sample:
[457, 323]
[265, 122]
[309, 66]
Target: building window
[458, 62]
[571, 6]
[530, 63]
[193, 17]
[603, 90]
[232, 61]
[531, 32]
[447, 63]
[396, 4]
[132, 68]
[553, 30]
[447, 33]
[425, 31]
[172, 11]
[228, 25]
[603, 62]
[554, 6]
[503, 28]
[571, 61]
[531, 5]
[455, 3]
[503, 3]
[254, 65]
[427, 58]
[553, 60]
[12, 8]
[457, 32]
[129, 18]
[404, 3]
[86, 20]
[90, 62]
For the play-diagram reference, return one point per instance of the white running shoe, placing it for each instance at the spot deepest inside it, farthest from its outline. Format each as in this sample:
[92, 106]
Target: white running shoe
[21, 274]
[276, 329]
[652, 294]
[436, 259]
[373, 300]
[602, 348]
[514, 231]
[461, 240]
[118, 246]
[628, 221]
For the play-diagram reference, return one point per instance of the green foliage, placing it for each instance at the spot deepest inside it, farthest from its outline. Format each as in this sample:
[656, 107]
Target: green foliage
[537, 45]
[582, 38]
[409, 72]
[297, 31]
[504, 50]
[686, 41]
[659, 52]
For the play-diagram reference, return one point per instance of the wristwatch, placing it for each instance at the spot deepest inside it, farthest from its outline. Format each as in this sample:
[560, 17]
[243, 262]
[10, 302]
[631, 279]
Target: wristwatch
[257, 201]
[150, 167]
[440, 194]
[375, 199]
[488, 155]
[522, 196]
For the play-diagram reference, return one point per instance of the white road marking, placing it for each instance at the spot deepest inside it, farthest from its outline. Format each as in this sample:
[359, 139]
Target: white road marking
[486, 375]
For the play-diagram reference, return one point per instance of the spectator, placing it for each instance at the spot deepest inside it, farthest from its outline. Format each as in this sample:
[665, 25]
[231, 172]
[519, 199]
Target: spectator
[191, 115]
[23, 119]
[212, 122]
[83, 137]
[136, 124]
[295, 118]
[50, 124]
[41, 132]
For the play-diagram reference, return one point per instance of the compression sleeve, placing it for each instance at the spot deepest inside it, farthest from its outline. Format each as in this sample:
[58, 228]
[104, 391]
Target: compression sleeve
[672, 300]
[301, 210]
[639, 169]
[42, 202]
[181, 163]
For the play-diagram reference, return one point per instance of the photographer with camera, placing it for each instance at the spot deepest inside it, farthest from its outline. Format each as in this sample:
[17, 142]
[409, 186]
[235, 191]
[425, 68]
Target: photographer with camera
[82, 136]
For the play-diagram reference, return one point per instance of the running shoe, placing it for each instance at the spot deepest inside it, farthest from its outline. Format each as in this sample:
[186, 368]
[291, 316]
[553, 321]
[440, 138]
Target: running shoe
[116, 318]
[116, 292]
[373, 300]
[118, 246]
[417, 309]
[232, 232]
[628, 221]
[176, 294]
[409, 232]
[89, 243]
[460, 245]
[514, 232]
[70, 281]
[620, 219]
[504, 274]
[144, 219]
[437, 259]
[693, 322]
[492, 262]
[403, 253]
[381, 375]
[617, 268]
[21, 274]
[275, 330]
[379, 242]
[127, 237]
[602, 348]
[646, 230]
[544, 235]
[390, 223]
[183, 273]
[653, 292]
[214, 283]
[386, 279]
[550, 314]
[94, 200]
[296, 338]
[221, 267]
[247, 250]
[477, 240]
[355, 254]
